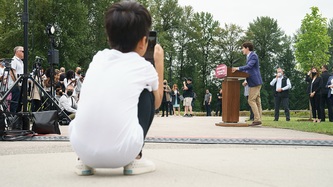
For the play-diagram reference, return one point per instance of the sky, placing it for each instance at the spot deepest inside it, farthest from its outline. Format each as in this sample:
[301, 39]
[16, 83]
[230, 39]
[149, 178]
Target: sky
[288, 13]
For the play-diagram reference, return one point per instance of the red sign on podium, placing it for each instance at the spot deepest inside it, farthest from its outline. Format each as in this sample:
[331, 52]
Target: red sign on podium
[221, 71]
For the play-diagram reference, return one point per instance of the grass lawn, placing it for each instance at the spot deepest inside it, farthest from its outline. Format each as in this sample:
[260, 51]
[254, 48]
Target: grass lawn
[300, 124]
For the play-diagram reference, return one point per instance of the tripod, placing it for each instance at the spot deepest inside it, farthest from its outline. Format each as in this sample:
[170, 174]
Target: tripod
[5, 109]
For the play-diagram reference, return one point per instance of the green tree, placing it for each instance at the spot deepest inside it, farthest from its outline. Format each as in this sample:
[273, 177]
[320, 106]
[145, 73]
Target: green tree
[330, 34]
[70, 19]
[204, 30]
[11, 27]
[165, 15]
[312, 42]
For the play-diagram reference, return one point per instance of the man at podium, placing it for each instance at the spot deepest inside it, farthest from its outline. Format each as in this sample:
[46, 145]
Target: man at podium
[254, 81]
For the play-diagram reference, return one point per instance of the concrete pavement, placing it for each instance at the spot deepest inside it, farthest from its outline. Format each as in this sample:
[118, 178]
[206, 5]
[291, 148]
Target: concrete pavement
[51, 163]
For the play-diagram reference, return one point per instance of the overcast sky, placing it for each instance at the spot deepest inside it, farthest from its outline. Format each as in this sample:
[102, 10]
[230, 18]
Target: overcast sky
[288, 13]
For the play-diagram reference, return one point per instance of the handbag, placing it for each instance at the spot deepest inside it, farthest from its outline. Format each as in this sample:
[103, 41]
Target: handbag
[46, 122]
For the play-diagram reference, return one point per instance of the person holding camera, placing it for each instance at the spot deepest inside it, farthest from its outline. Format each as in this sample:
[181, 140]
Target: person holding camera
[110, 133]
[188, 97]
[166, 98]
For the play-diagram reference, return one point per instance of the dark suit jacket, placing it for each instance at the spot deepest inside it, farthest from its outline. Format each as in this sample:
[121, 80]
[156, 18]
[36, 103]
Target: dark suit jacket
[316, 85]
[327, 84]
[252, 68]
[325, 75]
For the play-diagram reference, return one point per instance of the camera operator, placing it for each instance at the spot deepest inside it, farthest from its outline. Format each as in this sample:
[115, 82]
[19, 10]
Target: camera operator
[166, 98]
[17, 67]
[188, 97]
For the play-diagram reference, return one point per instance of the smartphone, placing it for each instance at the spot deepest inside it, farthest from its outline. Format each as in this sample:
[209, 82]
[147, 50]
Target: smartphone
[152, 40]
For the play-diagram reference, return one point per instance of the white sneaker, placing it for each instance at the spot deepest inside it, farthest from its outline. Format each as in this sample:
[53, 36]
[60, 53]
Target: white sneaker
[83, 170]
[139, 166]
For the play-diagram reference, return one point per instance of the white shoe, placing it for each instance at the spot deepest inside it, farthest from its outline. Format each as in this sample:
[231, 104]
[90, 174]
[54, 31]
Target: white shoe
[139, 166]
[83, 170]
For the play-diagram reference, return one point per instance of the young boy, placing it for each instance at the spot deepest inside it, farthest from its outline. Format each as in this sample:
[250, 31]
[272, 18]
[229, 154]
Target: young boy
[121, 90]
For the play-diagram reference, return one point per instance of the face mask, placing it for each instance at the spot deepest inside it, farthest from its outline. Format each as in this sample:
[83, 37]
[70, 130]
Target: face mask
[279, 74]
[69, 93]
[314, 73]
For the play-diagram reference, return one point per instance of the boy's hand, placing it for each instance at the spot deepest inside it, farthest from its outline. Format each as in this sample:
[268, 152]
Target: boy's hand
[159, 66]
[158, 54]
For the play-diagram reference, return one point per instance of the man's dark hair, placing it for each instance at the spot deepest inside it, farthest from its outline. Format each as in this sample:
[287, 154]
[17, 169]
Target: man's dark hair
[248, 45]
[126, 23]
[325, 66]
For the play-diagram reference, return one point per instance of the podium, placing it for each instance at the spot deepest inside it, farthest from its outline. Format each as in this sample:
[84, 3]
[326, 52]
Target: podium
[231, 98]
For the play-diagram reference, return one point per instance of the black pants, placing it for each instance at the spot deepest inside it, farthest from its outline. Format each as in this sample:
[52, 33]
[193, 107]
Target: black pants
[218, 109]
[285, 104]
[146, 110]
[208, 109]
[315, 105]
[165, 107]
[324, 100]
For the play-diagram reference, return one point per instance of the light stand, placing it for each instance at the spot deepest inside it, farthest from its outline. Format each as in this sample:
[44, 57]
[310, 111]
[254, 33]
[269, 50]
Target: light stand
[53, 54]
[25, 20]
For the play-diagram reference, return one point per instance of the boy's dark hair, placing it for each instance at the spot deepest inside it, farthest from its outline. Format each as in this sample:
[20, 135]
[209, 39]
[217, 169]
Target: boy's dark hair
[248, 45]
[126, 23]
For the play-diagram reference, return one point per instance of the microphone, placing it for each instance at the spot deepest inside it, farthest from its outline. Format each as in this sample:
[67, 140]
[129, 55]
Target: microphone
[235, 62]
[37, 57]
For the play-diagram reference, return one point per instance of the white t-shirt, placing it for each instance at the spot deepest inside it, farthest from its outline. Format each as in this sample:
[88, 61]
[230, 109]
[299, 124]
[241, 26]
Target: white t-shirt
[106, 132]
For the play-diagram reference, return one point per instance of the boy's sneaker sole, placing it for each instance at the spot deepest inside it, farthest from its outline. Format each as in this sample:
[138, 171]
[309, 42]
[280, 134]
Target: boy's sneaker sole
[139, 167]
[83, 170]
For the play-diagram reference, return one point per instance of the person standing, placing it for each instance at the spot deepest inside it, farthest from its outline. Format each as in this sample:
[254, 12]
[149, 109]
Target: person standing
[325, 100]
[218, 111]
[166, 98]
[188, 97]
[254, 80]
[175, 98]
[207, 102]
[17, 66]
[281, 85]
[246, 94]
[314, 91]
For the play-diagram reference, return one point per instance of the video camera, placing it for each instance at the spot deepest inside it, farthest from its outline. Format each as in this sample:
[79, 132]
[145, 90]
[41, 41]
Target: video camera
[7, 63]
[38, 62]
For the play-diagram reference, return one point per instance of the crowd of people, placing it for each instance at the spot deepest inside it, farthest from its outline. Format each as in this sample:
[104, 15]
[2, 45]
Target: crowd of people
[64, 86]
[175, 97]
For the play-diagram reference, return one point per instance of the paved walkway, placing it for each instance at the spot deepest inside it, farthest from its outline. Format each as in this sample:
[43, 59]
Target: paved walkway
[51, 163]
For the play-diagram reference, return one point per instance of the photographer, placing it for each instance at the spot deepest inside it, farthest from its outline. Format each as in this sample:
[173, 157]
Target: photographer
[166, 98]
[117, 126]
[188, 97]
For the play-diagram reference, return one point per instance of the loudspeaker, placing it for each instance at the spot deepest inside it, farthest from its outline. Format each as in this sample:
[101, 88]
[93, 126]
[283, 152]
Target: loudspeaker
[53, 56]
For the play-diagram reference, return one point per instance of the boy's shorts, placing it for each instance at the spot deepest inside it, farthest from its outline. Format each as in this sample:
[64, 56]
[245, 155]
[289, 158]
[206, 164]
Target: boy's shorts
[188, 101]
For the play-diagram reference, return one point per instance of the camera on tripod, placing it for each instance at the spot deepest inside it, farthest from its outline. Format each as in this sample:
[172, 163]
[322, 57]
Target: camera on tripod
[7, 63]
